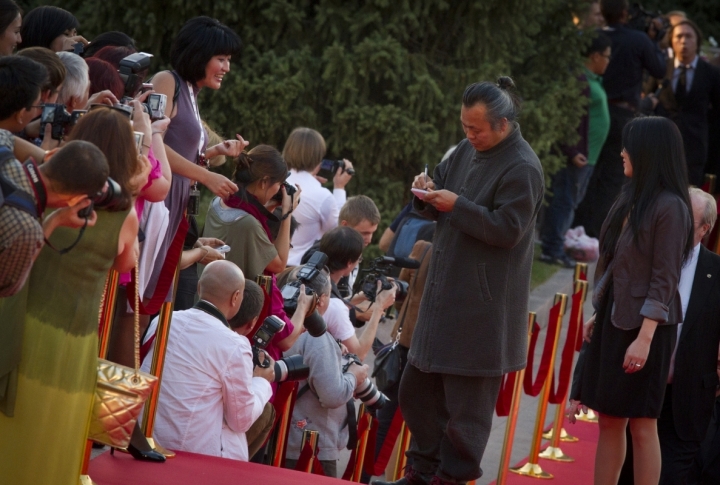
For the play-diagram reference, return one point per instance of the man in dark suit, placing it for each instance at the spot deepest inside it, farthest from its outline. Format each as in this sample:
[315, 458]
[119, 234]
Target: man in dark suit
[690, 86]
[693, 379]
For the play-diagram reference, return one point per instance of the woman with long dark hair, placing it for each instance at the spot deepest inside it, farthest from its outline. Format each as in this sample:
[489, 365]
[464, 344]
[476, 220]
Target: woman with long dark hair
[10, 24]
[644, 242]
[241, 220]
[51, 27]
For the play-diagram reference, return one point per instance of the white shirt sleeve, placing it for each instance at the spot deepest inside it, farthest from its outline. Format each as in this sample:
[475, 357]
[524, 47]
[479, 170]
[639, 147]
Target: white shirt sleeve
[337, 318]
[329, 213]
[244, 396]
[340, 196]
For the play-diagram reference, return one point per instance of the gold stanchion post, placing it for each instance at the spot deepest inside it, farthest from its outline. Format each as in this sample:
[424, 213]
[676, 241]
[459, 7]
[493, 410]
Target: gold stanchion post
[311, 437]
[361, 445]
[580, 269]
[282, 426]
[513, 415]
[403, 445]
[531, 468]
[107, 312]
[553, 451]
[156, 369]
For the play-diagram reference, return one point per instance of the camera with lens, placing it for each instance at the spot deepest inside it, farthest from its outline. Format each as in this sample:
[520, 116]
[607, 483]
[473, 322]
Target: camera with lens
[288, 369]
[130, 69]
[367, 392]
[108, 198]
[330, 167]
[290, 189]
[645, 21]
[314, 322]
[378, 270]
[59, 118]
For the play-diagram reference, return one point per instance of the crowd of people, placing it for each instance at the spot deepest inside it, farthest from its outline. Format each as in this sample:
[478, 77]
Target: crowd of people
[101, 167]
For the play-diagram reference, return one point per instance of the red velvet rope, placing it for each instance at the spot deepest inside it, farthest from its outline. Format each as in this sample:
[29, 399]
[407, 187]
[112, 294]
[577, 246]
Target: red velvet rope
[363, 425]
[557, 396]
[167, 274]
[533, 388]
[377, 467]
[504, 400]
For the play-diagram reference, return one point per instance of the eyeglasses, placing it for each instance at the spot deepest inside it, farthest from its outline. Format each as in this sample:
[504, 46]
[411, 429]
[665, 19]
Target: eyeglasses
[39, 106]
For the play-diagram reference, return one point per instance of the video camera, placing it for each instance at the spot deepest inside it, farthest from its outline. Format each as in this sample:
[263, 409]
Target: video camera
[314, 323]
[644, 21]
[59, 118]
[330, 167]
[288, 369]
[368, 393]
[378, 270]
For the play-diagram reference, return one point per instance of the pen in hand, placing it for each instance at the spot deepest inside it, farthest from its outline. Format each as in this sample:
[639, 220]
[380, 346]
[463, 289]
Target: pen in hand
[426, 170]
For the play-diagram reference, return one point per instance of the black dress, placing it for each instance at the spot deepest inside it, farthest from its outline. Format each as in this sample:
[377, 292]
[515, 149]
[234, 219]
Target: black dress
[606, 388]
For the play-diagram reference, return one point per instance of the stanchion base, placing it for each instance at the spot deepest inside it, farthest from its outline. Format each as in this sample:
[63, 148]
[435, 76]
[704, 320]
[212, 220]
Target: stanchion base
[564, 436]
[157, 447]
[532, 470]
[590, 417]
[86, 480]
[555, 454]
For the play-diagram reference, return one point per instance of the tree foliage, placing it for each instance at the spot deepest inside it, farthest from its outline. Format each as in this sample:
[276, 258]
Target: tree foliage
[381, 79]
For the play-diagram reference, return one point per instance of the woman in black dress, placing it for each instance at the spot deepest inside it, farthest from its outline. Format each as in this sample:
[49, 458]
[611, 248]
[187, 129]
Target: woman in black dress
[644, 241]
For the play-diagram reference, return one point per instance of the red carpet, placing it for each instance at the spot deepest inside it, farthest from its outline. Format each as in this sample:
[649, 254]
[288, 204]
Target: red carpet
[579, 472]
[193, 469]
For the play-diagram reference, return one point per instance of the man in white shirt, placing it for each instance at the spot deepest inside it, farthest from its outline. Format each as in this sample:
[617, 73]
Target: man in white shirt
[343, 246]
[210, 394]
[319, 208]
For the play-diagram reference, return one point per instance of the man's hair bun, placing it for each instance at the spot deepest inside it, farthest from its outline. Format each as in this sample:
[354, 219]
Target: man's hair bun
[505, 82]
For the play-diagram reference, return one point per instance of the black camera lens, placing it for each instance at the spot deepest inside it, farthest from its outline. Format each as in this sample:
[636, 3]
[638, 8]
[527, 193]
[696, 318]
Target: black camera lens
[291, 369]
[315, 324]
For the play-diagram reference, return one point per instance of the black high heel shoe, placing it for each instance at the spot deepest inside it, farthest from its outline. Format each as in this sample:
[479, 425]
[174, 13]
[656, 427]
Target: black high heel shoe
[140, 449]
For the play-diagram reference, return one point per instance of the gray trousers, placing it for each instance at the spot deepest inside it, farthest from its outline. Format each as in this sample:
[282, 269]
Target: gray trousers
[450, 418]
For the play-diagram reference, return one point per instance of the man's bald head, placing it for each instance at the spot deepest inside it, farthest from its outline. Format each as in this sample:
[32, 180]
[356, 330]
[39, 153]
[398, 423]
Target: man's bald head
[220, 284]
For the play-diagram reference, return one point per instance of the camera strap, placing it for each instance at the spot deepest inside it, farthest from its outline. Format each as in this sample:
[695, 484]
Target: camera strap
[211, 310]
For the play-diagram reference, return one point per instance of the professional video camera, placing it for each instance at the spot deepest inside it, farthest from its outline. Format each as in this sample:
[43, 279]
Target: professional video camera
[330, 167]
[368, 393]
[59, 118]
[652, 23]
[288, 369]
[378, 271]
[105, 199]
[314, 323]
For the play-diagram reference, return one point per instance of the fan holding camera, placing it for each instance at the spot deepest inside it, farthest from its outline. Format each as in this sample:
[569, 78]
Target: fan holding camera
[304, 153]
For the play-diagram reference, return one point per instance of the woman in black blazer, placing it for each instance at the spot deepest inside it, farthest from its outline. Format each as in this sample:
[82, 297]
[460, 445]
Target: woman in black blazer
[643, 242]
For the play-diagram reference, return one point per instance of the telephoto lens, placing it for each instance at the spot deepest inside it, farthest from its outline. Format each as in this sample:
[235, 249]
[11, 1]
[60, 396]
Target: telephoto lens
[315, 324]
[370, 395]
[291, 369]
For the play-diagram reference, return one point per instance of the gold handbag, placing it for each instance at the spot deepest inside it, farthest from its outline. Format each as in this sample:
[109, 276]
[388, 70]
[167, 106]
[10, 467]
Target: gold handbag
[120, 394]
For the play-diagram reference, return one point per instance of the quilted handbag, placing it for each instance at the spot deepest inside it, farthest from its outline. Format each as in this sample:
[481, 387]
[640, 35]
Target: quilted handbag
[120, 395]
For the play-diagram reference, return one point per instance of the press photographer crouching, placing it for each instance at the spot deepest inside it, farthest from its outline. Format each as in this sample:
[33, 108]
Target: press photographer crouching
[324, 401]
[63, 181]
[211, 392]
[343, 247]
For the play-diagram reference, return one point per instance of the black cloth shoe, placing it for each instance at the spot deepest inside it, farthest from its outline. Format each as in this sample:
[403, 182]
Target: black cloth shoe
[564, 260]
[412, 477]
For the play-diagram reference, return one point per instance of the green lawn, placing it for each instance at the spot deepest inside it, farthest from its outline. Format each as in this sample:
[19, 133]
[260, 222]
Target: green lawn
[541, 272]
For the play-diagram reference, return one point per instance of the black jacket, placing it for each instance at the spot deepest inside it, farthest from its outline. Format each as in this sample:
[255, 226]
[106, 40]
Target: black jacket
[695, 377]
[690, 113]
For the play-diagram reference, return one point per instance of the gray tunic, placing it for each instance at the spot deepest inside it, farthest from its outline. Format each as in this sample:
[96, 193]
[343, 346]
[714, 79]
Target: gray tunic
[473, 314]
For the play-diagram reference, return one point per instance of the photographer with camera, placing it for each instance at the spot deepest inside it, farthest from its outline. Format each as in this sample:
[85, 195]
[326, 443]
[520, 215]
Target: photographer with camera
[23, 230]
[318, 212]
[241, 221]
[52, 28]
[322, 402]
[343, 247]
[633, 51]
[211, 392]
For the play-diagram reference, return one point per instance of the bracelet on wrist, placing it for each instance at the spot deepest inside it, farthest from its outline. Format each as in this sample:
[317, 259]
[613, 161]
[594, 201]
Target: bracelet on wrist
[158, 132]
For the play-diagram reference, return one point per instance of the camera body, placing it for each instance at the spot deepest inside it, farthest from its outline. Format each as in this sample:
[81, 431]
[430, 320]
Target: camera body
[290, 189]
[378, 270]
[106, 199]
[330, 167]
[367, 392]
[290, 368]
[59, 118]
[130, 67]
[314, 323]
[155, 106]
[643, 20]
